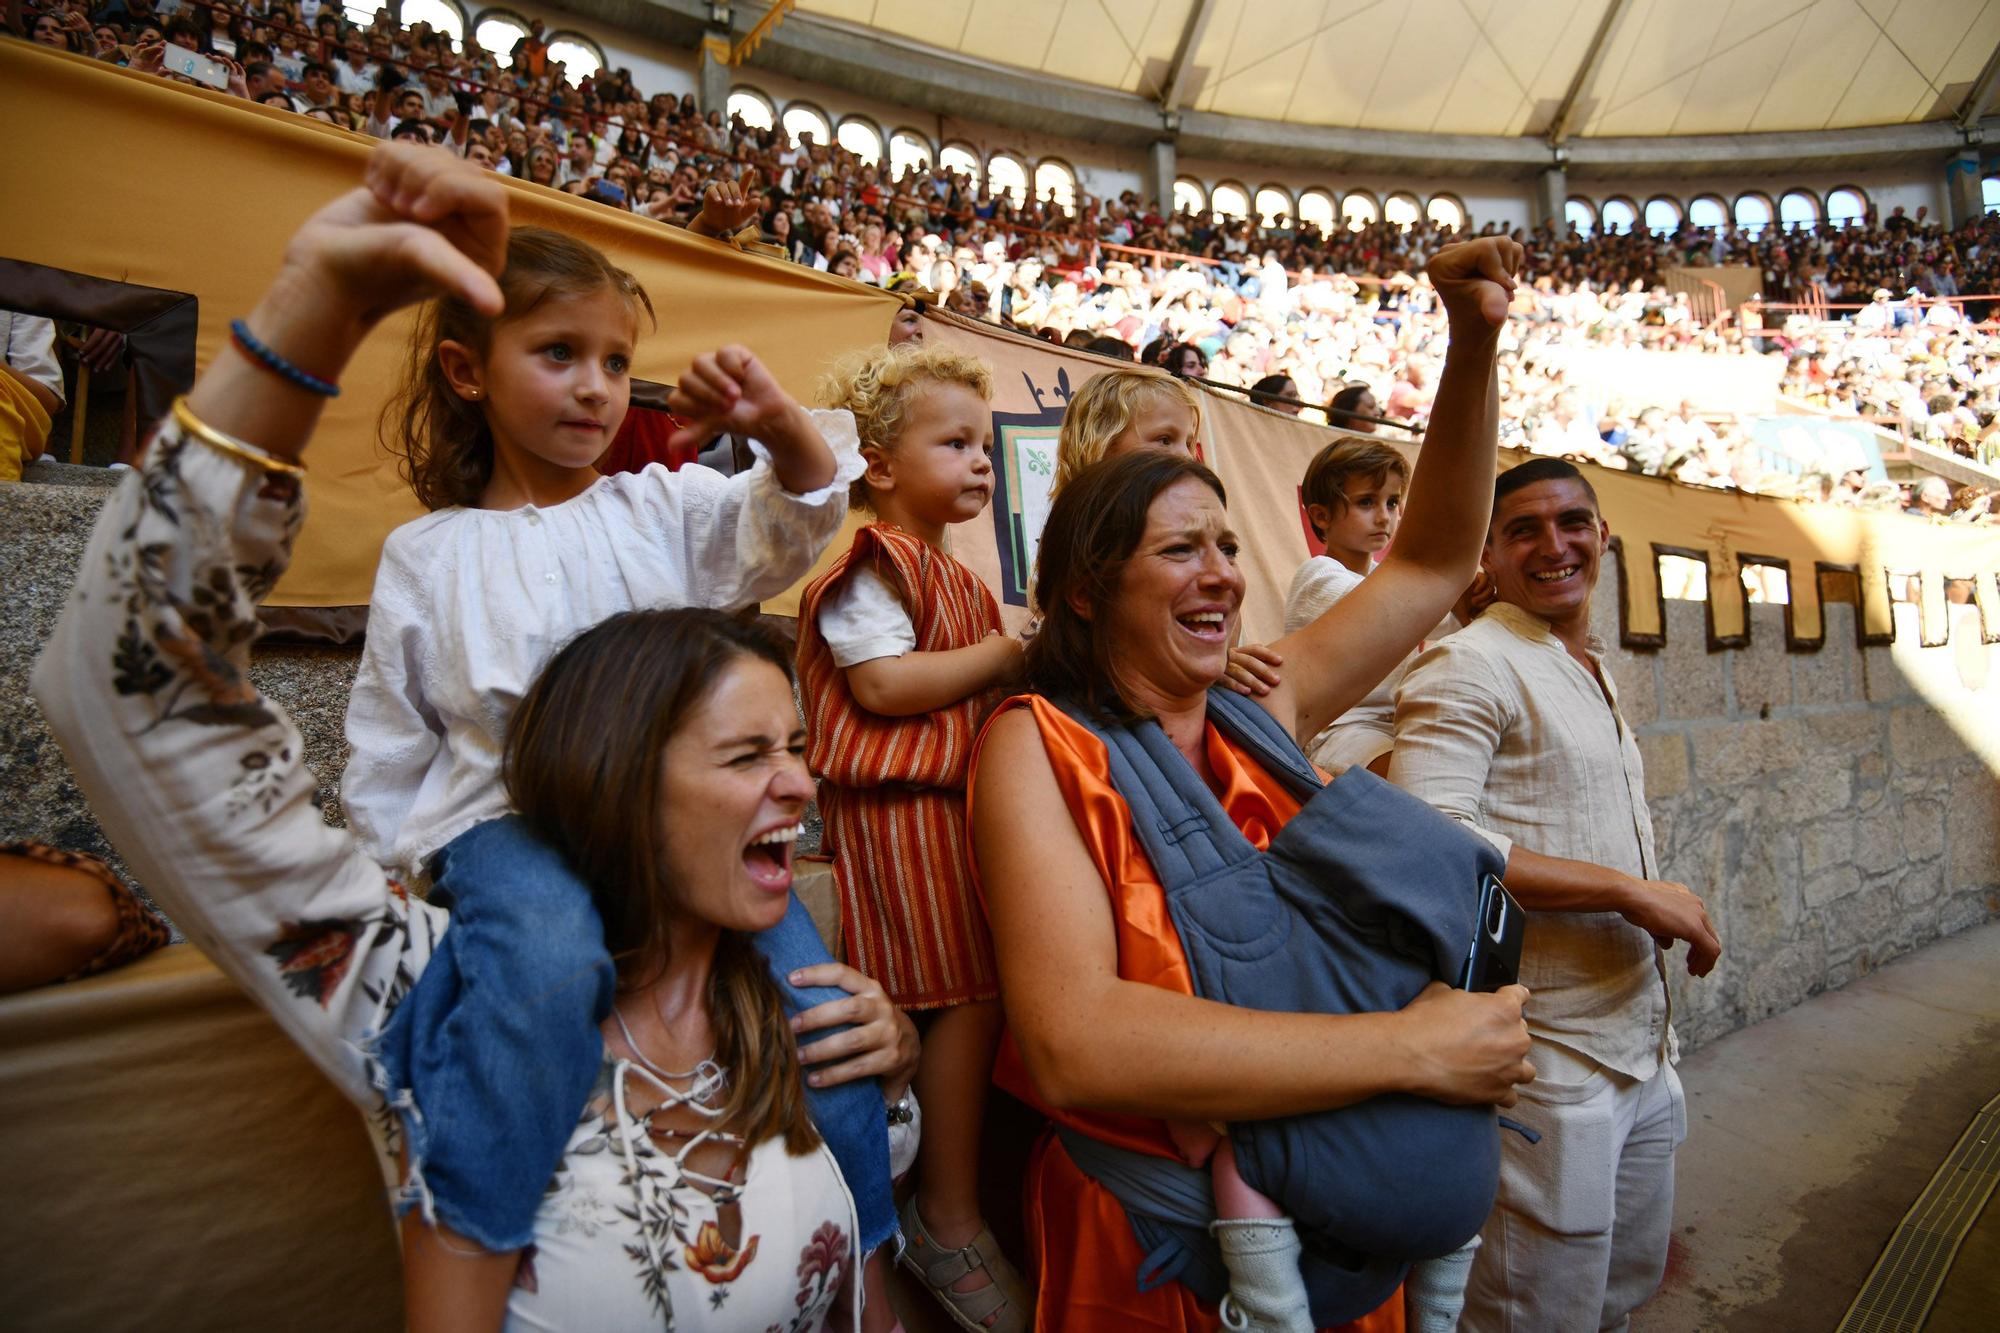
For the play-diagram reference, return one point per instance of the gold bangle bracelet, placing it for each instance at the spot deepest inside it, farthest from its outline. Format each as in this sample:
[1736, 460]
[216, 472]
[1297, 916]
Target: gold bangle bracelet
[230, 445]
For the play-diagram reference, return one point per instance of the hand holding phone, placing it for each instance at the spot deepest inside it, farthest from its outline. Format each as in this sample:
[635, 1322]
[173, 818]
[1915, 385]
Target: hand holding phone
[1495, 957]
[196, 66]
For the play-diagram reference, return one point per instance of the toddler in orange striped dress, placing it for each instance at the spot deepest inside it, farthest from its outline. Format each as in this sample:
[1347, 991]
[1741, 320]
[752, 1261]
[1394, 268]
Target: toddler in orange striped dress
[901, 655]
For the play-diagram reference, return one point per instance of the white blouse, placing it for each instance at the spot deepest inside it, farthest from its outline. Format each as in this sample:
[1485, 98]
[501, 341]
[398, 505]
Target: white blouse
[200, 783]
[469, 604]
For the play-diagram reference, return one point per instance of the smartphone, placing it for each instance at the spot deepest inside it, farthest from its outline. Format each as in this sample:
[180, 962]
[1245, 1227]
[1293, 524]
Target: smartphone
[180, 60]
[1495, 957]
[609, 191]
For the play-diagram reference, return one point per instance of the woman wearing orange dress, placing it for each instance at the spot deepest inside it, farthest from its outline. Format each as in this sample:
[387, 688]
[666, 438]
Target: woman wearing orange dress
[1138, 582]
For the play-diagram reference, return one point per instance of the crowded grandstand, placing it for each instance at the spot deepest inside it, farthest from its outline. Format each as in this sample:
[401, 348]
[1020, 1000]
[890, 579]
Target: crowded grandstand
[987, 665]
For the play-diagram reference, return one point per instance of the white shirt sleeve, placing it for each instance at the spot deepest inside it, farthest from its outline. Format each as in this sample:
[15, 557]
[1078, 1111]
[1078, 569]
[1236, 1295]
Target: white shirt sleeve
[30, 348]
[741, 539]
[864, 619]
[1318, 584]
[393, 734]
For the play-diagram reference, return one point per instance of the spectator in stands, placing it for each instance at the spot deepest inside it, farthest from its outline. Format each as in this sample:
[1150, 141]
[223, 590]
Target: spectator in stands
[31, 389]
[1511, 727]
[1278, 393]
[1139, 589]
[1351, 409]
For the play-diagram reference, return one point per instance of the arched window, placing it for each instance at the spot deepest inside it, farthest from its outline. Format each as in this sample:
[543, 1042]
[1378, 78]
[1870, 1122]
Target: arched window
[1055, 182]
[802, 118]
[580, 56]
[1316, 207]
[860, 138]
[1273, 203]
[1581, 214]
[1846, 205]
[1753, 213]
[1230, 200]
[957, 157]
[908, 151]
[1708, 211]
[496, 31]
[1358, 210]
[1798, 209]
[1989, 195]
[754, 107]
[1618, 215]
[1007, 176]
[1189, 197]
[1446, 211]
[1402, 210]
[1663, 215]
[442, 15]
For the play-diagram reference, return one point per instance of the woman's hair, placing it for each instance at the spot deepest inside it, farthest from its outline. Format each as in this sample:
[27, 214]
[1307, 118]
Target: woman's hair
[879, 385]
[442, 441]
[583, 766]
[1349, 458]
[1093, 528]
[1105, 406]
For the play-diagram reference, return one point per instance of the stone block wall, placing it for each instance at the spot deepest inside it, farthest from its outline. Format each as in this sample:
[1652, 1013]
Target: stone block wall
[1835, 809]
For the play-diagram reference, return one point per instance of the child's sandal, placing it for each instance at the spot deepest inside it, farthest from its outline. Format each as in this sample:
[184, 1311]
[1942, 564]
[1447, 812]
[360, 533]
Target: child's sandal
[1004, 1300]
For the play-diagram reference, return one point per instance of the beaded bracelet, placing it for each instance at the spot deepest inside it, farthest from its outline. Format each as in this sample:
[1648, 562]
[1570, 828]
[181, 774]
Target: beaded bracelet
[246, 343]
[230, 445]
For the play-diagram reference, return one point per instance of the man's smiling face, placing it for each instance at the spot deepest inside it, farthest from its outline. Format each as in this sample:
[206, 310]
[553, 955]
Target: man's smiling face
[1545, 546]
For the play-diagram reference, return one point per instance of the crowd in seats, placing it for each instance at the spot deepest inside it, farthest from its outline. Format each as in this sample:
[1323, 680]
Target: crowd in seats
[1298, 314]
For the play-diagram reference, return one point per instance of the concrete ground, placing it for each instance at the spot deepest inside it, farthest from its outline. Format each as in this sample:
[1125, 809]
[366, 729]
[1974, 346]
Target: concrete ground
[1811, 1133]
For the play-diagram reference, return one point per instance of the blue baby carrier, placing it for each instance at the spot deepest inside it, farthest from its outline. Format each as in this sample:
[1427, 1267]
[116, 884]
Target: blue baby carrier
[1363, 899]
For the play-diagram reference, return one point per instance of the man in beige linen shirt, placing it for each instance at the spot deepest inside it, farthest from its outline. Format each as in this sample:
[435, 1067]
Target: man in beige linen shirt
[1511, 726]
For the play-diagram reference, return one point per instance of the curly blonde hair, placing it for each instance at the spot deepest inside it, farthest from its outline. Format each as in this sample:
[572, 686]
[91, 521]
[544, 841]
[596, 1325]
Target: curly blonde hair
[1105, 406]
[879, 385]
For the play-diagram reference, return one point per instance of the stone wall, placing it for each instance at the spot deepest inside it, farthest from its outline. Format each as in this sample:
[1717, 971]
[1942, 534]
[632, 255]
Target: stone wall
[1834, 808]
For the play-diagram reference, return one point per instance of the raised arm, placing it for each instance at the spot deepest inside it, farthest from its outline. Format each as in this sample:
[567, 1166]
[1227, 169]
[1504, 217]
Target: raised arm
[1094, 1040]
[199, 781]
[1339, 658]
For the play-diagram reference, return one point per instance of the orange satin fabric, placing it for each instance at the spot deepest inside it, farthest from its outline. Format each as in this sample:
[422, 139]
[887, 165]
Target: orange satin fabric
[1082, 1248]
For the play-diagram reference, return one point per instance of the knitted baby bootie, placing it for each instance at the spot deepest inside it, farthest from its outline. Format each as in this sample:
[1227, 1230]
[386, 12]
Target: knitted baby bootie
[1266, 1292]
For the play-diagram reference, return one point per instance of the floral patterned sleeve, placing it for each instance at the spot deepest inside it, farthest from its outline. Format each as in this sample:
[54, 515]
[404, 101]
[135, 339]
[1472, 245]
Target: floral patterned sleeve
[198, 779]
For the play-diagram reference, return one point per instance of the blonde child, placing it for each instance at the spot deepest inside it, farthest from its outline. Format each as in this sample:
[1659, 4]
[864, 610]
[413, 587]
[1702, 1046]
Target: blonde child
[1122, 410]
[900, 656]
[497, 426]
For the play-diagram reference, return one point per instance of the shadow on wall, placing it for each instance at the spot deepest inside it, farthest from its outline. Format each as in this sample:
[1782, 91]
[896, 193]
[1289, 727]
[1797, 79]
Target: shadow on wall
[1835, 805]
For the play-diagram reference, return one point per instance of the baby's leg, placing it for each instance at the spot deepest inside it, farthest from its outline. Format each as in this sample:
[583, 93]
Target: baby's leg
[497, 1044]
[849, 1116]
[1434, 1292]
[1260, 1247]
[1234, 1196]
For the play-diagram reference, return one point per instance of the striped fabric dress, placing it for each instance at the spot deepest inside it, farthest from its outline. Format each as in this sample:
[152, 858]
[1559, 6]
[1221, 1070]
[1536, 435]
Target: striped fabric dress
[892, 789]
